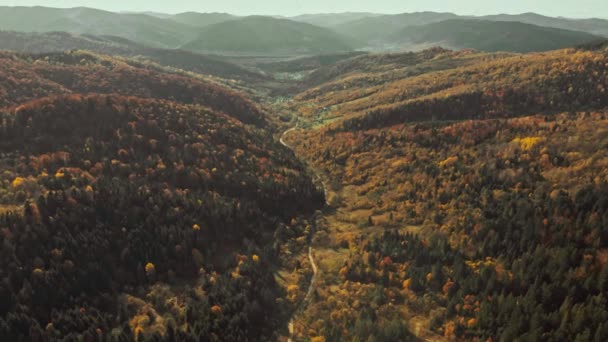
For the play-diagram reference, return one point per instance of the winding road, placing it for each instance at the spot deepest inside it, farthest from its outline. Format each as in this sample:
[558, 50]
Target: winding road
[315, 269]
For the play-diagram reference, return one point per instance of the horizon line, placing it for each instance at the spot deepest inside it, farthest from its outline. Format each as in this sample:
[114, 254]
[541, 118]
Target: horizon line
[150, 12]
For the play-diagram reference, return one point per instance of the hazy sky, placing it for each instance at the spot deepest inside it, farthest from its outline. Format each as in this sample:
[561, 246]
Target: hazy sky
[568, 8]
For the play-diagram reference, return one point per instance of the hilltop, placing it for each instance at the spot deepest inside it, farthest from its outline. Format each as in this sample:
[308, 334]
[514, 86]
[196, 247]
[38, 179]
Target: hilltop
[141, 28]
[444, 85]
[196, 19]
[37, 43]
[490, 36]
[259, 35]
[28, 77]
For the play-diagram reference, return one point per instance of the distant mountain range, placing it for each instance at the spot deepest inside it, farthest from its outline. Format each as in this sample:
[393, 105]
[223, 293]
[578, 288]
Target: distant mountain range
[490, 36]
[142, 28]
[331, 20]
[202, 19]
[267, 35]
[39, 43]
[310, 34]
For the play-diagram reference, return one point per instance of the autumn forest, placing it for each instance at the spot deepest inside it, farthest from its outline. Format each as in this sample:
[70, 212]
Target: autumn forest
[311, 185]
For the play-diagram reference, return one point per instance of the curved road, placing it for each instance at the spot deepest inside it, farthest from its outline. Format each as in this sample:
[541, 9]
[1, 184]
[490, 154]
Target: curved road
[315, 269]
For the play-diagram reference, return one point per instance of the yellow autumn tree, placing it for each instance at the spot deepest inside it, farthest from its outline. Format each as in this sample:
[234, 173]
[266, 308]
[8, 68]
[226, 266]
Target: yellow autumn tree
[17, 182]
[150, 269]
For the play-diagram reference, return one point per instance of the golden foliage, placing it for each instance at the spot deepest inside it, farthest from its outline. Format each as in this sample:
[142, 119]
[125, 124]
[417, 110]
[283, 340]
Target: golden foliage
[527, 143]
[293, 289]
[17, 182]
[150, 269]
[449, 161]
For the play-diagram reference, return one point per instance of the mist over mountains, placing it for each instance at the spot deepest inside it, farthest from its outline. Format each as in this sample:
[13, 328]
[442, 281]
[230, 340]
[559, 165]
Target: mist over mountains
[222, 33]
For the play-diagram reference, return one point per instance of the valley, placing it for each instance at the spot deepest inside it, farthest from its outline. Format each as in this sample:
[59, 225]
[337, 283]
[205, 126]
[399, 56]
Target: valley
[213, 177]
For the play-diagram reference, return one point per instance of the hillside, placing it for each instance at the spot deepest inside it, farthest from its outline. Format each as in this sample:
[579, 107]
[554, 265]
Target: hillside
[24, 78]
[138, 204]
[196, 19]
[147, 220]
[257, 35]
[310, 63]
[490, 36]
[593, 25]
[449, 228]
[461, 85]
[331, 20]
[379, 31]
[372, 31]
[468, 195]
[141, 28]
[37, 43]
[378, 68]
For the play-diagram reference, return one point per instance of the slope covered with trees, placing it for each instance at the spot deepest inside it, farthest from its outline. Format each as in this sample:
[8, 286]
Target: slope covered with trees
[441, 85]
[141, 28]
[139, 203]
[28, 77]
[37, 43]
[468, 195]
[595, 26]
[259, 35]
[374, 30]
[487, 35]
[488, 228]
[201, 19]
[381, 30]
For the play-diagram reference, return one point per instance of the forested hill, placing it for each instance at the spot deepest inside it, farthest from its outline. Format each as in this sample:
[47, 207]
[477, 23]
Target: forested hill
[37, 43]
[138, 204]
[487, 35]
[28, 77]
[469, 194]
[446, 85]
[267, 36]
[142, 28]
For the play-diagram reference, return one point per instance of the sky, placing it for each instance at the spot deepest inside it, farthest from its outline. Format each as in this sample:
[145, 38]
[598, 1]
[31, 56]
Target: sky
[565, 8]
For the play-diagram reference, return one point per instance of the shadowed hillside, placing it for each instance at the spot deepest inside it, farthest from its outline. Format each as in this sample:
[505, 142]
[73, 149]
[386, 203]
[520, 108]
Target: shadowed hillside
[258, 35]
[141, 28]
[112, 45]
[491, 36]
